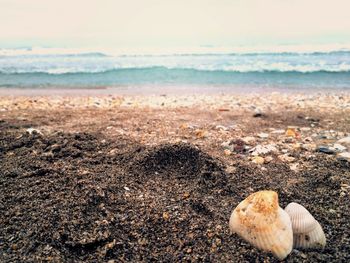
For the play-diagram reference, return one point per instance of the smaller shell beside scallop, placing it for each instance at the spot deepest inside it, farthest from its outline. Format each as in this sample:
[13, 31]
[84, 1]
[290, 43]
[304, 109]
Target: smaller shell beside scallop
[302, 220]
[307, 232]
[312, 239]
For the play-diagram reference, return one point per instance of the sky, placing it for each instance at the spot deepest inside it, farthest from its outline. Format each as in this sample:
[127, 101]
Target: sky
[172, 23]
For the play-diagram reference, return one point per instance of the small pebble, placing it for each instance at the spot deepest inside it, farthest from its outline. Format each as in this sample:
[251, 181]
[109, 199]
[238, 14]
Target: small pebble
[263, 135]
[325, 149]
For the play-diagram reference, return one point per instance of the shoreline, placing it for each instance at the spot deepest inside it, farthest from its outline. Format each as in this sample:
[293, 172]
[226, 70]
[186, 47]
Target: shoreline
[234, 101]
[129, 90]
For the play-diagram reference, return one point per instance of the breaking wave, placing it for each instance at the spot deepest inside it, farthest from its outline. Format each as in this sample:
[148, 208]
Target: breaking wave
[69, 68]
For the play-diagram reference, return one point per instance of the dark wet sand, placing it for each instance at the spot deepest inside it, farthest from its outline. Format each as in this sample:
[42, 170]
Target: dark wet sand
[147, 179]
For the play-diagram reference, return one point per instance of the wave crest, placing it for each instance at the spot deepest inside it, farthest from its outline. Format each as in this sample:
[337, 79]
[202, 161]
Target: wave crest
[242, 69]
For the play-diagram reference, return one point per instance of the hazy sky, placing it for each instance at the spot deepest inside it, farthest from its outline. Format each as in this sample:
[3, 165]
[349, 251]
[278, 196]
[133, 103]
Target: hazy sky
[167, 23]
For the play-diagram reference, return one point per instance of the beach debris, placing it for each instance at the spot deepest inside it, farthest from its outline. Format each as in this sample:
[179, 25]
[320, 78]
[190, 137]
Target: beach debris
[345, 189]
[305, 129]
[227, 152]
[339, 148]
[230, 169]
[263, 135]
[260, 220]
[249, 140]
[278, 131]
[312, 119]
[307, 232]
[200, 134]
[286, 158]
[294, 167]
[258, 113]
[297, 146]
[235, 145]
[33, 131]
[263, 149]
[344, 156]
[325, 149]
[344, 141]
[268, 159]
[226, 145]
[186, 195]
[221, 127]
[258, 160]
[166, 215]
[238, 145]
[21, 118]
[292, 132]
[307, 140]
[233, 127]
[309, 147]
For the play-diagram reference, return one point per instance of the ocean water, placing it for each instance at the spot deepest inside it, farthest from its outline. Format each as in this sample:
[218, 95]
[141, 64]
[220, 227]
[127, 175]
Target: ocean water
[49, 67]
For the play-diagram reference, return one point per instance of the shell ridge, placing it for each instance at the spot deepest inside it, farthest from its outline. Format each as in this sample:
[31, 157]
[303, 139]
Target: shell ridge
[264, 223]
[307, 231]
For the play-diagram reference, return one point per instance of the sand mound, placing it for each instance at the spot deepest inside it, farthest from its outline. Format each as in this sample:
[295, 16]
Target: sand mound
[183, 162]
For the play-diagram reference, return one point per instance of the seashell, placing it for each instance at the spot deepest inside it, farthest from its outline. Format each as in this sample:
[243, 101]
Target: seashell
[307, 232]
[260, 220]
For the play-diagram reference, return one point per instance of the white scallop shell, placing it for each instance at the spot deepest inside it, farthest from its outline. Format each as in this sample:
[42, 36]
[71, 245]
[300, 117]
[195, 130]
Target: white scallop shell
[307, 232]
[259, 220]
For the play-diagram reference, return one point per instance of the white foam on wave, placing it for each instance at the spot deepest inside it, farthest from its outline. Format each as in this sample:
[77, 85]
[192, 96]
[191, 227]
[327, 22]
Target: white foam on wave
[161, 51]
[285, 67]
[257, 62]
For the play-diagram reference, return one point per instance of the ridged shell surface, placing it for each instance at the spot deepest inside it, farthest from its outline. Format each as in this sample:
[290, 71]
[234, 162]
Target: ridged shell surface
[307, 232]
[312, 239]
[259, 220]
[302, 220]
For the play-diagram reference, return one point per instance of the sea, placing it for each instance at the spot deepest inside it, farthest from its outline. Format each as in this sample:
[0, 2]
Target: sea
[37, 67]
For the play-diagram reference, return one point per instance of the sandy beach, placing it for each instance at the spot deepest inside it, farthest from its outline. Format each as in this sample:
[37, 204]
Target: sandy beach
[140, 178]
[175, 131]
